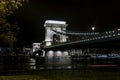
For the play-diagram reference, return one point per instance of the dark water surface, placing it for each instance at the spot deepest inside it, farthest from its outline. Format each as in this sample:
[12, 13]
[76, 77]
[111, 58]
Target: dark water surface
[9, 64]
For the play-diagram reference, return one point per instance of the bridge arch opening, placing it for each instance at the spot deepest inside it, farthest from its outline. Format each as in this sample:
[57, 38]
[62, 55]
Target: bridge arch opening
[56, 39]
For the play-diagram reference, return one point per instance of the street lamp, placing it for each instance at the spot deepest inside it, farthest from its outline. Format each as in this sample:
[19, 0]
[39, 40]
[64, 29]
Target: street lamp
[93, 28]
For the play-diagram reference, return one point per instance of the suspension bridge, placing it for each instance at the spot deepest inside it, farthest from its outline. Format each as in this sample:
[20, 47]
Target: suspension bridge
[81, 39]
[60, 44]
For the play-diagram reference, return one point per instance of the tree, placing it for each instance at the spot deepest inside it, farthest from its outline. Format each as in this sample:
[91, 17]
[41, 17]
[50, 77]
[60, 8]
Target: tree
[8, 31]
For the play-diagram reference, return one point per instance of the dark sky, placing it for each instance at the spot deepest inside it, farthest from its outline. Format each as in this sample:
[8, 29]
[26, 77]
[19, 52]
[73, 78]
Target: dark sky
[80, 15]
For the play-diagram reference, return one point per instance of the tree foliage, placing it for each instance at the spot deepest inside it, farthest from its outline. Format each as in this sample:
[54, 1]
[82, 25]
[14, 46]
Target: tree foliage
[8, 31]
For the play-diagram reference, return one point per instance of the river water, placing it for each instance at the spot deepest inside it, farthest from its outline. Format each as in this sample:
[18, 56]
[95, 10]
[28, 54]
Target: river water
[16, 63]
[28, 63]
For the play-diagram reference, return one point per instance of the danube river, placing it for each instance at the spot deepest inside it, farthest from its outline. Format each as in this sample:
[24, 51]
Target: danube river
[25, 63]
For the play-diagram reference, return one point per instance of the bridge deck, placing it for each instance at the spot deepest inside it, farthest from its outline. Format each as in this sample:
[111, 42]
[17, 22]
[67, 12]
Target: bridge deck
[109, 43]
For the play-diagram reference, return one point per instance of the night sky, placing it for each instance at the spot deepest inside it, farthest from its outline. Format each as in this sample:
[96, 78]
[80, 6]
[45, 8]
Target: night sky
[80, 15]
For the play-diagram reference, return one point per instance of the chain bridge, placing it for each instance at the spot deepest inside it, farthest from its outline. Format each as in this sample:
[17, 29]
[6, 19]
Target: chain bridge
[60, 44]
[57, 37]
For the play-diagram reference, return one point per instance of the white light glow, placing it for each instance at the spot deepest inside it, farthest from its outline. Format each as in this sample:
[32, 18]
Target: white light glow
[38, 44]
[48, 43]
[109, 35]
[58, 53]
[55, 22]
[37, 54]
[118, 29]
[65, 53]
[50, 53]
[106, 32]
[118, 33]
[105, 36]
[93, 28]
[113, 34]
[113, 31]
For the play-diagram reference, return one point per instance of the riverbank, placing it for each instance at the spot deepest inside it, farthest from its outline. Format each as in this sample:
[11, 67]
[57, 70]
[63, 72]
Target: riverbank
[65, 75]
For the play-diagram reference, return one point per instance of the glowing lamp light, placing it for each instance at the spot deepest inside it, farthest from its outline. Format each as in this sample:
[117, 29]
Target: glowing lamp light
[48, 43]
[50, 53]
[59, 53]
[93, 28]
[65, 53]
[37, 54]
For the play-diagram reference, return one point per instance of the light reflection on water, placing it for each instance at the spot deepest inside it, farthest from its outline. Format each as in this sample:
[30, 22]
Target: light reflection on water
[32, 63]
[58, 57]
[35, 64]
[18, 63]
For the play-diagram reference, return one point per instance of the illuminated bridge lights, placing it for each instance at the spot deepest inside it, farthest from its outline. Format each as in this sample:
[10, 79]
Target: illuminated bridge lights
[55, 22]
[118, 29]
[59, 28]
[106, 35]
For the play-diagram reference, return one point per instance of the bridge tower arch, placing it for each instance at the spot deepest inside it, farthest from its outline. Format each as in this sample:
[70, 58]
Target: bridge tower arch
[52, 29]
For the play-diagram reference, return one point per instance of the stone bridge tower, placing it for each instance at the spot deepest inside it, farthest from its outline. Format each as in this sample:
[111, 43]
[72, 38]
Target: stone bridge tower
[53, 32]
